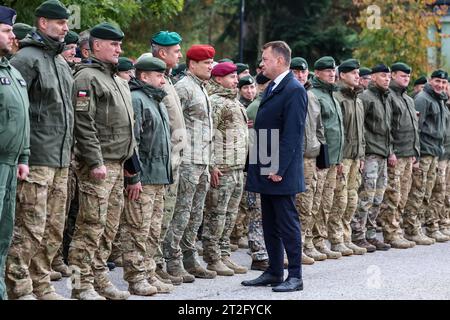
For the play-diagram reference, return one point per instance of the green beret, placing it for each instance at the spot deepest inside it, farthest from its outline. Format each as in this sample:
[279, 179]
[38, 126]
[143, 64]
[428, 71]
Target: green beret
[381, 68]
[107, 31]
[441, 74]
[150, 64]
[400, 66]
[241, 67]
[71, 37]
[420, 80]
[299, 63]
[365, 72]
[348, 65]
[21, 30]
[245, 81]
[225, 60]
[52, 9]
[166, 38]
[323, 63]
[125, 64]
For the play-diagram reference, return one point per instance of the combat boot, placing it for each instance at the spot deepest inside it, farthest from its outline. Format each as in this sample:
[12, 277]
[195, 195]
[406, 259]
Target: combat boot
[160, 286]
[112, 293]
[330, 253]
[221, 269]
[55, 276]
[63, 269]
[142, 288]
[233, 247]
[307, 260]
[51, 296]
[420, 239]
[366, 245]
[174, 269]
[238, 269]
[400, 243]
[199, 272]
[27, 297]
[162, 275]
[313, 253]
[356, 250]
[340, 247]
[260, 265]
[379, 245]
[438, 236]
[88, 294]
[243, 243]
[445, 232]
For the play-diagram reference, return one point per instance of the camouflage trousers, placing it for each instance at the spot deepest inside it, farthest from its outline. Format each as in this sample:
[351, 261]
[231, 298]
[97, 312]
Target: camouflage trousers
[170, 199]
[101, 204]
[371, 192]
[242, 220]
[345, 202]
[395, 195]
[222, 205]
[444, 222]
[8, 184]
[38, 231]
[423, 179]
[320, 228]
[316, 203]
[141, 229]
[256, 244]
[436, 203]
[179, 242]
[305, 200]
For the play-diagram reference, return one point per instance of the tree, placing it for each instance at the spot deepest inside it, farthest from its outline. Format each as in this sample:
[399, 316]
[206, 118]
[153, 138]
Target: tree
[399, 30]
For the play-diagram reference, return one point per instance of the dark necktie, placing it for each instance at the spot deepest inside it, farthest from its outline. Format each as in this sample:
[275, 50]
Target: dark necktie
[269, 88]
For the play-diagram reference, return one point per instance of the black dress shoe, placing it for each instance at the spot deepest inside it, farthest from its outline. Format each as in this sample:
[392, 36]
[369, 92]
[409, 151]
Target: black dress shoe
[264, 279]
[289, 285]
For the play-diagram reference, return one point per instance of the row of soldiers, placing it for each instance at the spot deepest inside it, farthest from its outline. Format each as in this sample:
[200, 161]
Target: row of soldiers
[191, 142]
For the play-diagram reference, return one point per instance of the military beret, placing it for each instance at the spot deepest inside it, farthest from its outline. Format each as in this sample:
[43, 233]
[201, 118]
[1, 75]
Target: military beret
[21, 30]
[441, 74]
[323, 63]
[125, 64]
[261, 79]
[222, 69]
[166, 38]
[400, 66]
[241, 67]
[380, 68]
[7, 15]
[150, 64]
[420, 80]
[200, 52]
[348, 65]
[52, 9]
[225, 60]
[298, 63]
[365, 72]
[245, 81]
[107, 31]
[71, 37]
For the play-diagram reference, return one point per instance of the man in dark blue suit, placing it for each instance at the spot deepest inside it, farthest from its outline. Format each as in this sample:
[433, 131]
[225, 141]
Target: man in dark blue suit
[276, 167]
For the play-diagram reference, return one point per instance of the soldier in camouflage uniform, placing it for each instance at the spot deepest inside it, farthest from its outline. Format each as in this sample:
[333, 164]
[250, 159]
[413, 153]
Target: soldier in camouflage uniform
[377, 126]
[104, 140]
[228, 161]
[430, 105]
[405, 134]
[42, 196]
[166, 46]
[347, 184]
[179, 244]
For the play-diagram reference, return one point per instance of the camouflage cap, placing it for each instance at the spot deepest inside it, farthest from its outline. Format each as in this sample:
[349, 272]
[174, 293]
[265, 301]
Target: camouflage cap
[166, 38]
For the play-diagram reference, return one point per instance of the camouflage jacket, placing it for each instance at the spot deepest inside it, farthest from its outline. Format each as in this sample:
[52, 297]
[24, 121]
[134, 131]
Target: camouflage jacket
[103, 115]
[198, 118]
[230, 129]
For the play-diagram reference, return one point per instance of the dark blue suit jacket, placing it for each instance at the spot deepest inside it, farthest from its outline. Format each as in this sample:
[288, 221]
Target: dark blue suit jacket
[283, 111]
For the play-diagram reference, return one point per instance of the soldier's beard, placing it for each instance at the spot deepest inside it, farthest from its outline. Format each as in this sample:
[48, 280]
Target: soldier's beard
[4, 52]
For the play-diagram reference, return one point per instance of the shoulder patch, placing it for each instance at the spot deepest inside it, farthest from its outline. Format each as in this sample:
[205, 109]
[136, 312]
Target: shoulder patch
[5, 81]
[22, 83]
[82, 100]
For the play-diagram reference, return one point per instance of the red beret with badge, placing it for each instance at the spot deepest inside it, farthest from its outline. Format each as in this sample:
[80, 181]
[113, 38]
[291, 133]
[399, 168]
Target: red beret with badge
[200, 52]
[222, 69]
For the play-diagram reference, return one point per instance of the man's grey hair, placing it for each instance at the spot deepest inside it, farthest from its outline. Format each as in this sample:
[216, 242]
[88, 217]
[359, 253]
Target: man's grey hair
[84, 39]
[280, 48]
[155, 49]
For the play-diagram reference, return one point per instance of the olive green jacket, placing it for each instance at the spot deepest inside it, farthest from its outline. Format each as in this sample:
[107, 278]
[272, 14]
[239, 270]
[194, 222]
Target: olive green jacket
[377, 121]
[50, 88]
[103, 115]
[314, 130]
[405, 124]
[14, 120]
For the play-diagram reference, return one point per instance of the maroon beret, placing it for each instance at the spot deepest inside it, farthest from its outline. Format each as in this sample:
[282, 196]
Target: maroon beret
[200, 52]
[222, 69]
